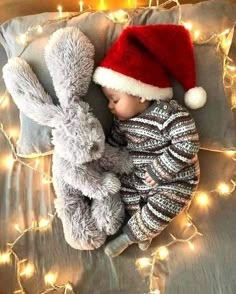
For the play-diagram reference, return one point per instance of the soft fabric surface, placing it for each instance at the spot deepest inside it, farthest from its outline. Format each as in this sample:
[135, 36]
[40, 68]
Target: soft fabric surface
[215, 121]
[209, 269]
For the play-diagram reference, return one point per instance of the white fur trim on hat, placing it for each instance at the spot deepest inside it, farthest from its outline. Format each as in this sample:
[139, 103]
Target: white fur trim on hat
[195, 98]
[120, 82]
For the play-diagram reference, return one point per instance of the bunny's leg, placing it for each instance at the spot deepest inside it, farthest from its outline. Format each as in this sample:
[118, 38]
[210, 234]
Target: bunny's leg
[108, 213]
[80, 228]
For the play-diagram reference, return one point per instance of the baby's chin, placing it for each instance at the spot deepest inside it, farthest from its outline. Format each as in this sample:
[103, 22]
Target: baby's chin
[121, 118]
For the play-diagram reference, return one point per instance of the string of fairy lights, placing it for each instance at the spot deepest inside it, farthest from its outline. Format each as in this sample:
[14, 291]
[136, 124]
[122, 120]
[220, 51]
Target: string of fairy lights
[24, 268]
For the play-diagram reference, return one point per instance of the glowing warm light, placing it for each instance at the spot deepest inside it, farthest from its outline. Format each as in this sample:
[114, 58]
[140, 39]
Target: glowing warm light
[9, 161]
[81, 3]
[231, 68]
[196, 34]
[13, 132]
[230, 153]
[50, 278]
[119, 16]
[189, 224]
[59, 8]
[69, 287]
[37, 161]
[227, 40]
[188, 25]
[4, 102]
[102, 5]
[202, 199]
[156, 291]
[129, 3]
[143, 262]
[40, 29]
[191, 245]
[44, 223]
[17, 228]
[233, 101]
[223, 189]
[5, 257]
[163, 253]
[225, 32]
[23, 39]
[46, 180]
[28, 271]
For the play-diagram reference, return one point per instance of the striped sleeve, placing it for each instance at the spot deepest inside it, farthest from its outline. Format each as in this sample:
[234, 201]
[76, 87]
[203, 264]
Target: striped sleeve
[116, 138]
[180, 130]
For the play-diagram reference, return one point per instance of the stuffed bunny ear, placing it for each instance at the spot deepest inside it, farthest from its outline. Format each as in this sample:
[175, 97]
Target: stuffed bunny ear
[70, 59]
[28, 94]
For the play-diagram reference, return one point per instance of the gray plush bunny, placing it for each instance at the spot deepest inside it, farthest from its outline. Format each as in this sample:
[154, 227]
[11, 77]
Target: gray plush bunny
[87, 189]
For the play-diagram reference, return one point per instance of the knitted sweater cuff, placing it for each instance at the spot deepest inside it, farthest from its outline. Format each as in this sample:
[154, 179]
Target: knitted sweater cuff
[127, 231]
[153, 175]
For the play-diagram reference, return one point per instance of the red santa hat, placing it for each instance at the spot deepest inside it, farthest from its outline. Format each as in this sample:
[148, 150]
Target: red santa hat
[141, 60]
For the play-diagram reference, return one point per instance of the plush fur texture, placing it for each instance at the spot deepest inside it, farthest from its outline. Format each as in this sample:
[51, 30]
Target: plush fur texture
[84, 167]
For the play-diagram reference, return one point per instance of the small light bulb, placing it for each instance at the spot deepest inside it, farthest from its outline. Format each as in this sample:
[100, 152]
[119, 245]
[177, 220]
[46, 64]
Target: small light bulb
[233, 101]
[43, 223]
[59, 8]
[13, 132]
[18, 228]
[223, 189]
[163, 253]
[39, 29]
[9, 161]
[28, 271]
[36, 163]
[50, 278]
[202, 199]
[191, 245]
[4, 102]
[196, 34]
[46, 180]
[225, 32]
[230, 153]
[23, 39]
[69, 287]
[156, 291]
[231, 68]
[81, 3]
[143, 262]
[188, 25]
[4, 257]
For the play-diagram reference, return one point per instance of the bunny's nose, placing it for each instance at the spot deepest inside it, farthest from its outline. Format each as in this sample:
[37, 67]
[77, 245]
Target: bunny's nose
[94, 147]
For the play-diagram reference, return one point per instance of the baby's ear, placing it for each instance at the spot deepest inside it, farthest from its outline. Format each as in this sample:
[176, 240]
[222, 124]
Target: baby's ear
[142, 100]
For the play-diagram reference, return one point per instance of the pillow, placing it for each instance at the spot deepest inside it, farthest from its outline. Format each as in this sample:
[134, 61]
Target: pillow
[215, 121]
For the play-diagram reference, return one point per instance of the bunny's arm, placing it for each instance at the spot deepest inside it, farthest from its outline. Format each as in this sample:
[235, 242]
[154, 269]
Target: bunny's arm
[90, 182]
[116, 160]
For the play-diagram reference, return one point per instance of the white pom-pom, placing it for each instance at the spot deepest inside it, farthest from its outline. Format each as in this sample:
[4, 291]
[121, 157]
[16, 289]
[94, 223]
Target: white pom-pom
[195, 98]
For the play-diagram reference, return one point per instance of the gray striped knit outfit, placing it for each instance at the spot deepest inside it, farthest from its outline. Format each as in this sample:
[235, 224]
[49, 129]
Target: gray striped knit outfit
[164, 141]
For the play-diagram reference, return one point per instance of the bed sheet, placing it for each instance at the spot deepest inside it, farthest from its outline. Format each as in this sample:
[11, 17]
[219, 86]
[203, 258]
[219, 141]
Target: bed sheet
[208, 269]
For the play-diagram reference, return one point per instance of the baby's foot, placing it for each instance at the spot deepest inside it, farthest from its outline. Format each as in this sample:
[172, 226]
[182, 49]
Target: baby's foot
[118, 245]
[144, 245]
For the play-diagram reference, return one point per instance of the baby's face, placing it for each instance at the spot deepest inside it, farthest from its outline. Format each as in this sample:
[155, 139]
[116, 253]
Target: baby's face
[124, 106]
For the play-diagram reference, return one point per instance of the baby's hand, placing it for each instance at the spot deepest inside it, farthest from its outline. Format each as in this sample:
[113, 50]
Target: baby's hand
[149, 180]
